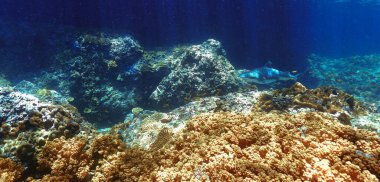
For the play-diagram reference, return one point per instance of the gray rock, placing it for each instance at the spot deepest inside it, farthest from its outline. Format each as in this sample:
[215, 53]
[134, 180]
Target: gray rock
[203, 70]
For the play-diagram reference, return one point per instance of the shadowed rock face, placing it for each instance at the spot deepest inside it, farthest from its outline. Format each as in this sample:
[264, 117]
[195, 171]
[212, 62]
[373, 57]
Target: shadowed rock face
[202, 70]
[88, 73]
[106, 76]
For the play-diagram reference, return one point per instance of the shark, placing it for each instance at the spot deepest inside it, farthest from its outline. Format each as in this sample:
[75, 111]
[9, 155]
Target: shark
[267, 75]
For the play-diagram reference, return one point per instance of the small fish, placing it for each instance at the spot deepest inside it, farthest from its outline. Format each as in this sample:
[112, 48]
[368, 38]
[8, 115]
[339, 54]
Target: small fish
[267, 75]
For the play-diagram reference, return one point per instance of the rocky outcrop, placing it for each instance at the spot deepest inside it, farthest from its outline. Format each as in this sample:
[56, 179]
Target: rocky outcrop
[87, 74]
[27, 123]
[202, 70]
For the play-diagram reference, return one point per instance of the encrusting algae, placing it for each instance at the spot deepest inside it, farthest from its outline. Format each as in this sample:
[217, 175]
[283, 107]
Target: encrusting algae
[221, 147]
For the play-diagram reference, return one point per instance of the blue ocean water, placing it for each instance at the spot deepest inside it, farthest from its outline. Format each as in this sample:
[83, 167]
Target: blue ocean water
[189, 90]
[36, 35]
[252, 32]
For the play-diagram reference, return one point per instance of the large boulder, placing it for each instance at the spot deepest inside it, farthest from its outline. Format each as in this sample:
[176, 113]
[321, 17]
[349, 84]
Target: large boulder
[88, 75]
[202, 70]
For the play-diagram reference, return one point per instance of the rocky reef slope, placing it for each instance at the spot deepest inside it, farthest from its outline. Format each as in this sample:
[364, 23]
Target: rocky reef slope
[243, 136]
[106, 76]
[180, 114]
[221, 147]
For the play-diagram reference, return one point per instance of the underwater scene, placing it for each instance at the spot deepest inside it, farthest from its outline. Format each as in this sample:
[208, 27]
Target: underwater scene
[189, 90]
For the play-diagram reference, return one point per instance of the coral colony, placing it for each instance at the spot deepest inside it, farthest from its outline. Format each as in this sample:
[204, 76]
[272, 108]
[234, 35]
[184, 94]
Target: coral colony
[111, 111]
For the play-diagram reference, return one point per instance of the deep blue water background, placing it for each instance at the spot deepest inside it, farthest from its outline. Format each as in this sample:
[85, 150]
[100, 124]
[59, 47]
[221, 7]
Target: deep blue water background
[252, 31]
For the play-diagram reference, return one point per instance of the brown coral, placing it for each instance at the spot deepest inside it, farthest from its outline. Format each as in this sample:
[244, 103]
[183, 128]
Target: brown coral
[105, 145]
[114, 162]
[105, 158]
[263, 147]
[65, 160]
[324, 99]
[226, 147]
[9, 170]
[133, 164]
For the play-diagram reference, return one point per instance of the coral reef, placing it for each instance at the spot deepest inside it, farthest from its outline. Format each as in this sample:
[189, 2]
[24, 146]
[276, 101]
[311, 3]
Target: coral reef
[142, 127]
[323, 99]
[104, 158]
[191, 118]
[118, 163]
[88, 75]
[226, 147]
[9, 170]
[42, 94]
[94, 92]
[263, 147]
[356, 75]
[114, 48]
[130, 165]
[106, 76]
[64, 160]
[27, 123]
[219, 138]
[202, 70]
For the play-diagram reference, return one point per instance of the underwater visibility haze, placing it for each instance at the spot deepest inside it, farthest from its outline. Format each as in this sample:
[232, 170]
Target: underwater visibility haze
[190, 90]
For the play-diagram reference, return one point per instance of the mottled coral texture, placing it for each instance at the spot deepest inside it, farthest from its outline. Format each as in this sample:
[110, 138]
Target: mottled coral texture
[324, 99]
[65, 160]
[9, 170]
[226, 147]
[262, 147]
[105, 158]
